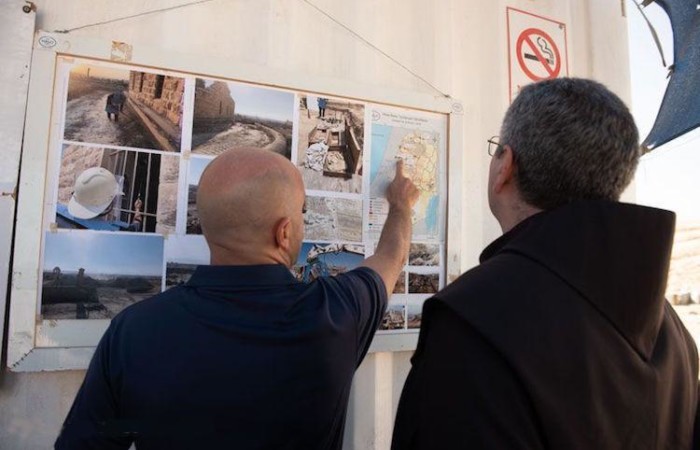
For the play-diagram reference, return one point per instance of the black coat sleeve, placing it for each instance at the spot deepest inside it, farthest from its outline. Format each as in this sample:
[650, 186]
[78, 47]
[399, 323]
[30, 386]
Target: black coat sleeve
[462, 394]
[696, 433]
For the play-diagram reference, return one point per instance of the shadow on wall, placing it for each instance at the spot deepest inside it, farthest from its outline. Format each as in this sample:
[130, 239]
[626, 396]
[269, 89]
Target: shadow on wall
[40, 402]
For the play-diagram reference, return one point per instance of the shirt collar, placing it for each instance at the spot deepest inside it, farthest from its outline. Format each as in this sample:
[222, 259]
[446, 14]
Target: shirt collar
[497, 245]
[254, 275]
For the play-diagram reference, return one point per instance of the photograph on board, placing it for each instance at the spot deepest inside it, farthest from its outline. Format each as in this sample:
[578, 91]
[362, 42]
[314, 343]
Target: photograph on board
[194, 172]
[177, 274]
[108, 189]
[400, 286]
[124, 108]
[229, 115]
[395, 315]
[420, 283]
[96, 275]
[182, 256]
[330, 146]
[424, 255]
[333, 219]
[414, 311]
[320, 260]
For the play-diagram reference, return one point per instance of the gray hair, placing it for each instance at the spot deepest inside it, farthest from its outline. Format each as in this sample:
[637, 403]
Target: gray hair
[572, 139]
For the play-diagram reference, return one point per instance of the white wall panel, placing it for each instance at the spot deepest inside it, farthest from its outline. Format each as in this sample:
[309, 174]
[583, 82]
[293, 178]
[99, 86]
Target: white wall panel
[458, 46]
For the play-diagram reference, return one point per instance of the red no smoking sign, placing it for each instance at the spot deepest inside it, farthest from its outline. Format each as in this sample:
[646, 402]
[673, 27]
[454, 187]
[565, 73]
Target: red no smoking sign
[538, 55]
[537, 49]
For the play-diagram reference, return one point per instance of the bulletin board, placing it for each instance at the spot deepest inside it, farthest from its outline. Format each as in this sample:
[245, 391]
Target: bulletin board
[116, 139]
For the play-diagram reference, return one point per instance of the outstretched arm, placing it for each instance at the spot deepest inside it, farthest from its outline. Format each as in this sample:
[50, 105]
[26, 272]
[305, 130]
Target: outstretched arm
[392, 249]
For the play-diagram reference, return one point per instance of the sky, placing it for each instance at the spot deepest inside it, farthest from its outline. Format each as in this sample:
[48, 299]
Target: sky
[666, 177]
[197, 166]
[312, 102]
[261, 102]
[190, 249]
[106, 253]
[101, 72]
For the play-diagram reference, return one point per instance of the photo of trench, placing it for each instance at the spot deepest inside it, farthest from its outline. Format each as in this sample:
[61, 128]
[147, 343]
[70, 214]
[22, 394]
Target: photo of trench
[228, 115]
[330, 144]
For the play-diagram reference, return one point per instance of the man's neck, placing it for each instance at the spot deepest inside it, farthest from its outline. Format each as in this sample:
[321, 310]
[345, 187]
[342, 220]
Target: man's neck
[231, 256]
[516, 214]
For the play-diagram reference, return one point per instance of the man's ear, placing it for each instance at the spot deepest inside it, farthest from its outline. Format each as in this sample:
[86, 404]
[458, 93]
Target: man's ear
[505, 169]
[283, 233]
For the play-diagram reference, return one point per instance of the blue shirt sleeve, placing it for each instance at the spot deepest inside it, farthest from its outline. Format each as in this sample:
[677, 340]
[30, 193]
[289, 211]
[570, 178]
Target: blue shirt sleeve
[92, 422]
[368, 301]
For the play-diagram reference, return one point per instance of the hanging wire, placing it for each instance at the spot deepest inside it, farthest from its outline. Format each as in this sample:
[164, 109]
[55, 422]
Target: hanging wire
[133, 16]
[307, 2]
[371, 45]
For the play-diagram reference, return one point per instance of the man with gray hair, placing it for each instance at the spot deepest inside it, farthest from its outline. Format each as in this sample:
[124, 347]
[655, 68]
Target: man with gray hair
[561, 338]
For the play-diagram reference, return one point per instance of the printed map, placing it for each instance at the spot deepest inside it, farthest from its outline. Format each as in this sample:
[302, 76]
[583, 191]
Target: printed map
[419, 151]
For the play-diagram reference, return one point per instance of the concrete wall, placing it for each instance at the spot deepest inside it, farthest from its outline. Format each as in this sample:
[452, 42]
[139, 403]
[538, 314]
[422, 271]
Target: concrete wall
[459, 46]
[75, 160]
[167, 194]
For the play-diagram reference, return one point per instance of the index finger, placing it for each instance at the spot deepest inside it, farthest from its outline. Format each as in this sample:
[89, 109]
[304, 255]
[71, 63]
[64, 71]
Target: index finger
[399, 167]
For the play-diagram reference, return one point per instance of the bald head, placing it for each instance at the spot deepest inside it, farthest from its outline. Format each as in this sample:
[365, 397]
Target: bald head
[250, 203]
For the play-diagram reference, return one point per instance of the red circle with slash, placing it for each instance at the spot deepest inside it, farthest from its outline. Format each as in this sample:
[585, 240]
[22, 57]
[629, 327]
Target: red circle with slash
[525, 42]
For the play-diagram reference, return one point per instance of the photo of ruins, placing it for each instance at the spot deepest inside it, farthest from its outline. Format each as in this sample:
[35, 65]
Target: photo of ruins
[177, 274]
[330, 144]
[394, 317]
[229, 115]
[196, 167]
[400, 286]
[424, 255]
[147, 198]
[414, 312]
[320, 260]
[95, 275]
[333, 219]
[423, 283]
[124, 108]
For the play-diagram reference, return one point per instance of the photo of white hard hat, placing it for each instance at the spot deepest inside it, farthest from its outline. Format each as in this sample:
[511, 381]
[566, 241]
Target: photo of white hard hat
[93, 192]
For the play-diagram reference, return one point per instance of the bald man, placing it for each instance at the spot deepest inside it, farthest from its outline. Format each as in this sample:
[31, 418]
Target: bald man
[242, 356]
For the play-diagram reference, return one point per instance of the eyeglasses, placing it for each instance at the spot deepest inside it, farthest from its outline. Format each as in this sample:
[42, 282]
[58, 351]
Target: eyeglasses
[494, 145]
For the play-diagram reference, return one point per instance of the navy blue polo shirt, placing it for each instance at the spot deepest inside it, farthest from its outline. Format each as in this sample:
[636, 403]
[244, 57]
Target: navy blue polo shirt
[242, 357]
